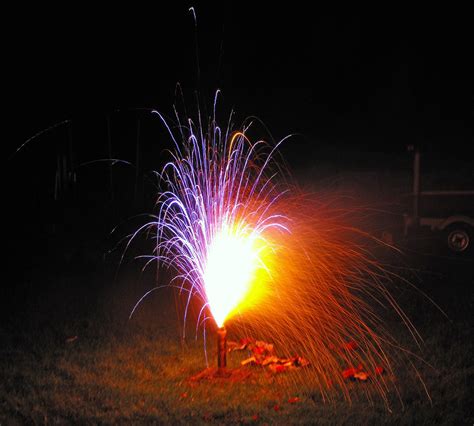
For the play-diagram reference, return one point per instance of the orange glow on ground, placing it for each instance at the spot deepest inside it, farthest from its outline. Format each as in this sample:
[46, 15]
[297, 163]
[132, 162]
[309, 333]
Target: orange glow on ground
[231, 272]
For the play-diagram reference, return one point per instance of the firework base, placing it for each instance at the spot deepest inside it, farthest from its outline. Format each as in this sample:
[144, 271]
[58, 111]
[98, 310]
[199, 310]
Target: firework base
[216, 374]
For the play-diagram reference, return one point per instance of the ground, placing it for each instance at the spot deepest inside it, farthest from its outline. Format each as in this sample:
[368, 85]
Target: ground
[69, 354]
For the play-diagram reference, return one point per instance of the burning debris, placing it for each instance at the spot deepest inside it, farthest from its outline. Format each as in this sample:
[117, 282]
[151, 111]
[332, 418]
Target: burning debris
[358, 374]
[263, 355]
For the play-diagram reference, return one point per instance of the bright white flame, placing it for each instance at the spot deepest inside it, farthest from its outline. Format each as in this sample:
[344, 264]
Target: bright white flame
[232, 261]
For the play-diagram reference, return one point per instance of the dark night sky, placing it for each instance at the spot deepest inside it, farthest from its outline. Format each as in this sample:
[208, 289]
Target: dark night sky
[356, 86]
[375, 79]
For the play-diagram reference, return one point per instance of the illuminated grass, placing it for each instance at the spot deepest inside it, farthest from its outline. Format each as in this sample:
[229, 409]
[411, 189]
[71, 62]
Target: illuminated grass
[119, 371]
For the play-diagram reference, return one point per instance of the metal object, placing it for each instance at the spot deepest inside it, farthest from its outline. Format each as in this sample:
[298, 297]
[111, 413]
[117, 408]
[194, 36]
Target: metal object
[221, 348]
[458, 238]
[221, 352]
[448, 211]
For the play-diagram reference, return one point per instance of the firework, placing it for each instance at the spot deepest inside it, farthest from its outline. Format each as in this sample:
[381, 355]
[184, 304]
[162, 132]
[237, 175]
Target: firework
[268, 258]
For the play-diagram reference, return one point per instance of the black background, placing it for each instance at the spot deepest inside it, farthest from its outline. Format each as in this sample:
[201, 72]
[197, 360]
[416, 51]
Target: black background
[355, 86]
[372, 79]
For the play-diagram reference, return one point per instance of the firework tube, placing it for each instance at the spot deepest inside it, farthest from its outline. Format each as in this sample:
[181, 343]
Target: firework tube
[221, 349]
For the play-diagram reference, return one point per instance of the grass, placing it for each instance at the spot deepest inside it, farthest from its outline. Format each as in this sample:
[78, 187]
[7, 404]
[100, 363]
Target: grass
[137, 371]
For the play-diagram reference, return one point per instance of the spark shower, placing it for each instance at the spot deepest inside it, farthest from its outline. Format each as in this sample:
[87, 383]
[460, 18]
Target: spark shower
[269, 259]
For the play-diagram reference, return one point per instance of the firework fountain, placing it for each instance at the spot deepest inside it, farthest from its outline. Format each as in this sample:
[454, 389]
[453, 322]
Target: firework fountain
[214, 216]
[277, 262]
